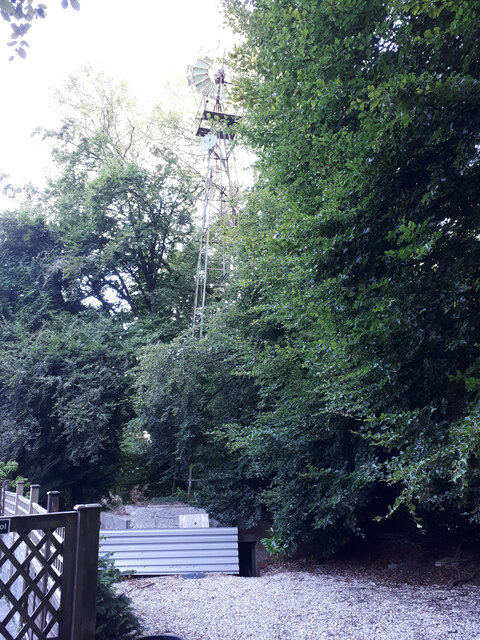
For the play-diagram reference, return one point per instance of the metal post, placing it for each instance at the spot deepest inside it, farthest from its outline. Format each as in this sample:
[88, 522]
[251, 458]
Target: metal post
[190, 471]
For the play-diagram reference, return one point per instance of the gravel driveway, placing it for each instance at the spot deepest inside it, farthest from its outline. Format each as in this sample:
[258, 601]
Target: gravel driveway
[303, 605]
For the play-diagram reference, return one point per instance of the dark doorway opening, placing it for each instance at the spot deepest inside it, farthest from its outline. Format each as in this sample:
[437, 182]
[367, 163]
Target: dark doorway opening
[247, 559]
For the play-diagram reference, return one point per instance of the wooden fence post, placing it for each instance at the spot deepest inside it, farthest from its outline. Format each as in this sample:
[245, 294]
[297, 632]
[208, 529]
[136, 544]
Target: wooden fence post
[85, 596]
[53, 501]
[34, 496]
[5, 487]
[18, 493]
[53, 506]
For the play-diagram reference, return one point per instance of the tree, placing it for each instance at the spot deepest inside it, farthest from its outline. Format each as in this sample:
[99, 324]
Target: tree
[98, 266]
[29, 287]
[123, 205]
[64, 369]
[20, 14]
[365, 120]
[186, 391]
[64, 401]
[239, 407]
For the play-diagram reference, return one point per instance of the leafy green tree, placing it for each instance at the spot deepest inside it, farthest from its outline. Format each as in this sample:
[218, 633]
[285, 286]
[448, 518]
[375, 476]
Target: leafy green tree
[64, 401]
[364, 118]
[20, 14]
[63, 373]
[186, 391]
[29, 288]
[123, 205]
[96, 267]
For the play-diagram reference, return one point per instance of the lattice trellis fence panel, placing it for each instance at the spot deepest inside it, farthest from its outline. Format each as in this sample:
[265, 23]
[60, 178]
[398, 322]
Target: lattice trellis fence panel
[43, 577]
[31, 571]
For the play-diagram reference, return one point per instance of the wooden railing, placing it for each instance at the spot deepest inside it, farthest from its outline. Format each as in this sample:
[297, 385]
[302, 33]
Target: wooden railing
[48, 568]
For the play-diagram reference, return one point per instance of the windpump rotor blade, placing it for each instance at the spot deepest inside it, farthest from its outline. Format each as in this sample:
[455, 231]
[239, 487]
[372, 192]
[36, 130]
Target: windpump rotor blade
[204, 63]
[200, 78]
[204, 86]
[199, 74]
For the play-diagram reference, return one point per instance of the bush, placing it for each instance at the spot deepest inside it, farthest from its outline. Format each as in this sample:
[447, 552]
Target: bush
[116, 619]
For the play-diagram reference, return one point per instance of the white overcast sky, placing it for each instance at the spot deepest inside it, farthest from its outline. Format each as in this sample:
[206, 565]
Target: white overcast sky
[148, 43]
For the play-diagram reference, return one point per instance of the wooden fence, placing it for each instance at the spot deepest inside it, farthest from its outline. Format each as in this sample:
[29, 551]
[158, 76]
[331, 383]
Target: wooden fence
[48, 568]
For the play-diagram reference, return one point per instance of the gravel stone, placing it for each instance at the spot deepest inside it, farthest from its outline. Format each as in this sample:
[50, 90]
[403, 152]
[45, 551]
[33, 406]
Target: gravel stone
[302, 605]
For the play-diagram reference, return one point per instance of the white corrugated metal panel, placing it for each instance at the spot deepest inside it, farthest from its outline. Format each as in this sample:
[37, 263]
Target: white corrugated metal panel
[173, 551]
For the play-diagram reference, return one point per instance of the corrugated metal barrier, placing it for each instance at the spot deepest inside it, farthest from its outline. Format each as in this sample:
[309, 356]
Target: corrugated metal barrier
[173, 551]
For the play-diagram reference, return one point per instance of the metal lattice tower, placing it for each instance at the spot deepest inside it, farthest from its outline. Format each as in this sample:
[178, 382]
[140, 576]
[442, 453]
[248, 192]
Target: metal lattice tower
[214, 127]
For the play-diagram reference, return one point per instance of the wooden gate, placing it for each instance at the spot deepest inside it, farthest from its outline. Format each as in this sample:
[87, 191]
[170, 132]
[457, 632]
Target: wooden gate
[48, 572]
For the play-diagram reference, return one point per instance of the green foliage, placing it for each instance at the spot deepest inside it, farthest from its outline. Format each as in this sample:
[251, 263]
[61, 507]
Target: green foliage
[242, 412]
[123, 206]
[116, 619]
[338, 377]
[277, 545]
[30, 285]
[98, 267]
[20, 14]
[134, 468]
[360, 253]
[64, 401]
[186, 391]
[8, 469]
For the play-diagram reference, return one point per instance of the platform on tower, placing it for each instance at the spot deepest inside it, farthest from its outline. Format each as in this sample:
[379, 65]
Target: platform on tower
[208, 119]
